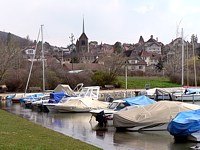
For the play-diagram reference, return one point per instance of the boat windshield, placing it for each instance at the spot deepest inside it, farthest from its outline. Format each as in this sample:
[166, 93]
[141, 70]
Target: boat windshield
[44, 98]
[121, 106]
[113, 105]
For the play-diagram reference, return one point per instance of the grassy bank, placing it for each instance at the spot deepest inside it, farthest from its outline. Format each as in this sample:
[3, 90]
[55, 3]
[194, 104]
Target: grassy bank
[18, 134]
[140, 82]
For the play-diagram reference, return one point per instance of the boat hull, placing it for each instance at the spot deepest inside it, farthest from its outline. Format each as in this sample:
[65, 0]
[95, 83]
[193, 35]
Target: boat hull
[153, 127]
[72, 109]
[192, 97]
[50, 107]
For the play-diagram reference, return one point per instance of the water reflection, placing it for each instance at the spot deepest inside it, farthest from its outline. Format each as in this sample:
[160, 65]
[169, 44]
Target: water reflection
[79, 126]
[145, 140]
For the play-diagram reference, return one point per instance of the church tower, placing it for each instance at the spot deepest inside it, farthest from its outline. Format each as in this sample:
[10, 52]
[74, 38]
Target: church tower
[82, 42]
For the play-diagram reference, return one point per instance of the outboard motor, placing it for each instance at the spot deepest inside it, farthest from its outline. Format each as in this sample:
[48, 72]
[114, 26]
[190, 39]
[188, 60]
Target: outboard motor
[109, 99]
[101, 118]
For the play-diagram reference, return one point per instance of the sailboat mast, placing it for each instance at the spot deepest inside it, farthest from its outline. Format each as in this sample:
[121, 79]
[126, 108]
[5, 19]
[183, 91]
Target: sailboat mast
[27, 83]
[43, 65]
[182, 82]
[187, 65]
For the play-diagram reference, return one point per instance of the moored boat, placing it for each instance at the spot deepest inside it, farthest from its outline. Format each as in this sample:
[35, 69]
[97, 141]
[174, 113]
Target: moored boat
[15, 98]
[190, 94]
[162, 93]
[90, 91]
[103, 115]
[52, 98]
[27, 100]
[83, 104]
[186, 126]
[151, 116]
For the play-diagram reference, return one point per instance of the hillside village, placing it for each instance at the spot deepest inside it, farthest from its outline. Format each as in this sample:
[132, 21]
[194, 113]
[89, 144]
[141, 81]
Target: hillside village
[144, 56]
[149, 55]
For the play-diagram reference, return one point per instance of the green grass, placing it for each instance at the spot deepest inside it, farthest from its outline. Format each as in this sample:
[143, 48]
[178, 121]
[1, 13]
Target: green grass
[140, 82]
[17, 133]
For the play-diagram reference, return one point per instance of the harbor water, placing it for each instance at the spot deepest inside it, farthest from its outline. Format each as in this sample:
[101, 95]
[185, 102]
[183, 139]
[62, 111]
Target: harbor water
[81, 126]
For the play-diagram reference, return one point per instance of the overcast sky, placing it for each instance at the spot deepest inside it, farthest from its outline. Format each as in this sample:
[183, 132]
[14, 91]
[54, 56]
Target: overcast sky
[106, 21]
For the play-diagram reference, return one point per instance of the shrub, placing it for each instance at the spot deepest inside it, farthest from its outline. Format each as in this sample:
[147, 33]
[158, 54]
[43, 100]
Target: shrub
[104, 78]
[16, 80]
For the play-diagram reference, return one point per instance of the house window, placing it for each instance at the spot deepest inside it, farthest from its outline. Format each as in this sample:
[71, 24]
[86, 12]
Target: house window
[140, 67]
[30, 51]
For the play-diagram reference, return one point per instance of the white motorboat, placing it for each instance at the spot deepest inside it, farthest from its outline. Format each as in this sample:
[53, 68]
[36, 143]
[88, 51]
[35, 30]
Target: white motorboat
[27, 100]
[190, 94]
[52, 98]
[107, 113]
[40, 101]
[103, 115]
[90, 91]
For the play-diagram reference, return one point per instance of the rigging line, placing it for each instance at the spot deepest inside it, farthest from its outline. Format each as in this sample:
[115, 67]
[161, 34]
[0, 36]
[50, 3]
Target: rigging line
[194, 57]
[43, 65]
[32, 64]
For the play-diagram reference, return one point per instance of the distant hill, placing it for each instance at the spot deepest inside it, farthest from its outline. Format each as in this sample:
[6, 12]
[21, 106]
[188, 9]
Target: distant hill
[4, 37]
[23, 42]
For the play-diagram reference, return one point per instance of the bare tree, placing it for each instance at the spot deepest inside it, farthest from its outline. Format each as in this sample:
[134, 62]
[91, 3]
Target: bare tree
[173, 59]
[114, 64]
[9, 51]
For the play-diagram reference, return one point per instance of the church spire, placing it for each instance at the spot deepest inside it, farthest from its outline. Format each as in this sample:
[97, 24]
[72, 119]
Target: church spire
[83, 25]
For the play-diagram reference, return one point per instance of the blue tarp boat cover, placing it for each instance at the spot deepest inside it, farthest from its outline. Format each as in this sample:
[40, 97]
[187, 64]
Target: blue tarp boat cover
[31, 97]
[185, 123]
[55, 97]
[139, 100]
[192, 90]
[10, 97]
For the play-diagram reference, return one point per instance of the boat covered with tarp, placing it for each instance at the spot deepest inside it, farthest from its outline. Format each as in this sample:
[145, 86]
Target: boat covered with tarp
[185, 124]
[31, 98]
[192, 90]
[102, 115]
[55, 97]
[157, 114]
[138, 100]
[64, 88]
[84, 104]
[162, 93]
[190, 94]
[52, 98]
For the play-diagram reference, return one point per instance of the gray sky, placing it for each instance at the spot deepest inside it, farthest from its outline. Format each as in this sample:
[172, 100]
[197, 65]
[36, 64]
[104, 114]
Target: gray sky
[106, 21]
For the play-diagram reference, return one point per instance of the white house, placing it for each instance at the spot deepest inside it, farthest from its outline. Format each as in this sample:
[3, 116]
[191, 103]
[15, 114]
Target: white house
[29, 53]
[153, 45]
[151, 58]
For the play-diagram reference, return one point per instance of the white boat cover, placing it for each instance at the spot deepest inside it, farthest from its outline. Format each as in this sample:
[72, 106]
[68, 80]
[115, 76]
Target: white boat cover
[82, 103]
[162, 91]
[64, 88]
[152, 114]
